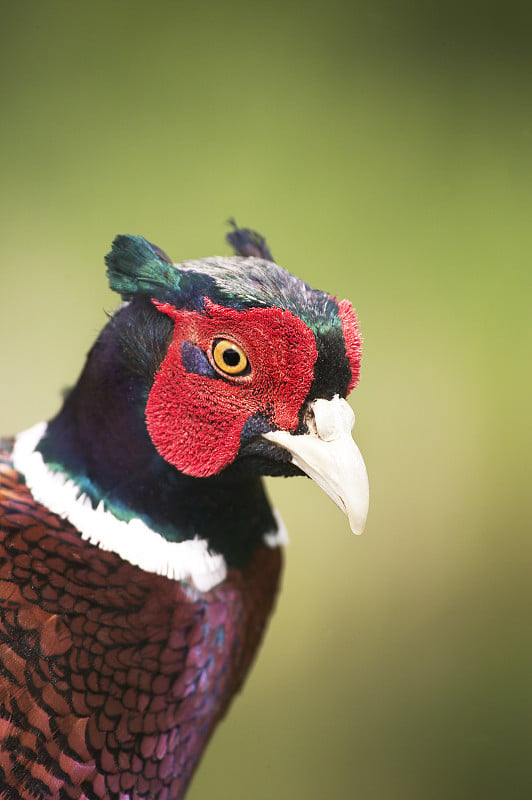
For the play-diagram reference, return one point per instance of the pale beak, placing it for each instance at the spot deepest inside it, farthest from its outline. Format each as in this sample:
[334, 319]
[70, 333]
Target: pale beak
[328, 455]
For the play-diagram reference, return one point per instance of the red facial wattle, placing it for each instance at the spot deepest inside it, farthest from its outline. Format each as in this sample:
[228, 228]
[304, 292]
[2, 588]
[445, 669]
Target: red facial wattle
[352, 338]
[195, 421]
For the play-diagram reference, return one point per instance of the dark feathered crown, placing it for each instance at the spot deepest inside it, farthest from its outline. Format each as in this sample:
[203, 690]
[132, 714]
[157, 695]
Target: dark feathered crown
[135, 267]
[250, 279]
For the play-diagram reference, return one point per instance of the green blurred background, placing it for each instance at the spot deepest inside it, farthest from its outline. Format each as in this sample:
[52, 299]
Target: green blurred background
[385, 149]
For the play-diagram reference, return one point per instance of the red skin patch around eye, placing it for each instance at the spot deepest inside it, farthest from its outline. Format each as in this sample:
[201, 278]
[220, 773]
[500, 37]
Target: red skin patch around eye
[352, 338]
[195, 421]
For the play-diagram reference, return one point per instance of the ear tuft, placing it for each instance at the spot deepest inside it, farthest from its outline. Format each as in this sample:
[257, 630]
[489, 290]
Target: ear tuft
[246, 242]
[137, 268]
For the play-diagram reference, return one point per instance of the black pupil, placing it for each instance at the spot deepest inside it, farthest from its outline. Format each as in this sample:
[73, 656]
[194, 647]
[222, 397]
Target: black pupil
[231, 357]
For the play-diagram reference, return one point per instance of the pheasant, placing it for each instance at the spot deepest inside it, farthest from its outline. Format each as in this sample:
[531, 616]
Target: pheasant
[139, 554]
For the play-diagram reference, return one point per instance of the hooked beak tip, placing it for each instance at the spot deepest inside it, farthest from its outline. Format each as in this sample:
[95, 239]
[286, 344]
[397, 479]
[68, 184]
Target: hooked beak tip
[328, 455]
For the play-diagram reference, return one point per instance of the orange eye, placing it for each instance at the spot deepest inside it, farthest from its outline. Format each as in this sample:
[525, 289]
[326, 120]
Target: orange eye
[229, 357]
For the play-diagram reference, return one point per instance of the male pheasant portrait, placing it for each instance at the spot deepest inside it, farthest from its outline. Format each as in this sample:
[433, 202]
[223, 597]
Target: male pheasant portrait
[139, 554]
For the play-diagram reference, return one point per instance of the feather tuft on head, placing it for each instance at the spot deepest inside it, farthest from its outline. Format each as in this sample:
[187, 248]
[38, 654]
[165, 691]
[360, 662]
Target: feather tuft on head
[246, 242]
[136, 267]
